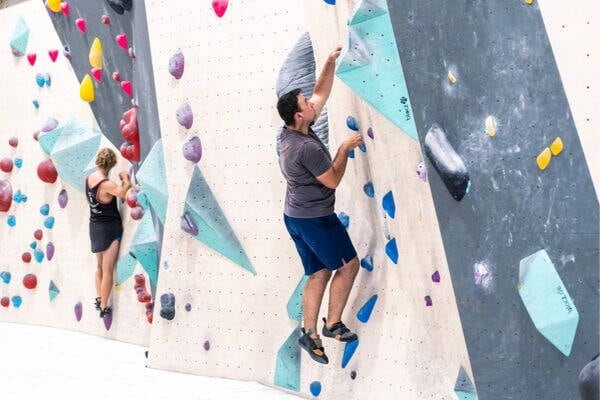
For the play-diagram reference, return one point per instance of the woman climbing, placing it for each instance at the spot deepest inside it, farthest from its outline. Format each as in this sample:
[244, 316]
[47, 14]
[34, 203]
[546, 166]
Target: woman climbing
[106, 226]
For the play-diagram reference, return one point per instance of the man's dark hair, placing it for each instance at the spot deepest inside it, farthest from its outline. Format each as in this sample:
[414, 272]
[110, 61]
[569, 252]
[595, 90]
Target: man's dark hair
[287, 105]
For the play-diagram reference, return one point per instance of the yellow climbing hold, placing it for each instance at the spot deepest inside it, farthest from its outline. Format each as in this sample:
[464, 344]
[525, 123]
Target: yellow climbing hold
[529, 1]
[117, 287]
[490, 126]
[86, 90]
[544, 158]
[556, 147]
[53, 5]
[96, 54]
[451, 77]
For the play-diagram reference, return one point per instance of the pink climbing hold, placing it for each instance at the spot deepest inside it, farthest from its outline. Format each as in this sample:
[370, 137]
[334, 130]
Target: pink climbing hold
[30, 281]
[80, 23]
[64, 6]
[6, 165]
[105, 19]
[121, 40]
[220, 6]
[31, 57]
[126, 86]
[13, 142]
[6, 194]
[49, 125]
[116, 76]
[47, 172]
[97, 74]
[137, 213]
[53, 54]
[38, 234]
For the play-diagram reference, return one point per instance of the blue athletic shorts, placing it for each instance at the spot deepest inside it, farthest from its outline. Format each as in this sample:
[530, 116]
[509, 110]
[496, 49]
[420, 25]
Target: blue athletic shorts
[322, 242]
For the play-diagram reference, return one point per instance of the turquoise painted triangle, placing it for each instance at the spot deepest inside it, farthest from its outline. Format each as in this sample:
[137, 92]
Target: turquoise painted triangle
[463, 382]
[144, 247]
[19, 38]
[213, 228]
[370, 65]
[125, 267]
[48, 139]
[365, 311]
[152, 177]
[145, 232]
[287, 363]
[294, 304]
[53, 290]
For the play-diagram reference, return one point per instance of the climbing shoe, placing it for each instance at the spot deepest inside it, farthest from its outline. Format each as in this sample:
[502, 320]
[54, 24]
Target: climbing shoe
[97, 303]
[338, 331]
[105, 312]
[314, 347]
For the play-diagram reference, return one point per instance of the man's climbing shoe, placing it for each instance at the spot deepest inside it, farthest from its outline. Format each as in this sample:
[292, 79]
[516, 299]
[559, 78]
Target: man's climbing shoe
[105, 312]
[97, 303]
[338, 331]
[314, 347]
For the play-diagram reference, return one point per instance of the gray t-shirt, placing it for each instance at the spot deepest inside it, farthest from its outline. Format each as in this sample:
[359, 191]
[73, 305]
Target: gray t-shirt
[302, 158]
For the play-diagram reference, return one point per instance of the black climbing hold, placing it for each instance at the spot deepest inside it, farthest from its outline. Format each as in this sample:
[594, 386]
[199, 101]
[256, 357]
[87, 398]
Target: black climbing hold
[353, 375]
[146, 353]
[589, 380]
[120, 6]
[167, 306]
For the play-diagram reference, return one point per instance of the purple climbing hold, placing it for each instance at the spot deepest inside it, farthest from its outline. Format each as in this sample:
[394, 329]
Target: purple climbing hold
[78, 311]
[192, 149]
[49, 251]
[436, 277]
[185, 117]
[370, 133]
[206, 345]
[50, 125]
[177, 64]
[188, 225]
[428, 301]
[188, 307]
[107, 319]
[422, 171]
[63, 198]
[352, 123]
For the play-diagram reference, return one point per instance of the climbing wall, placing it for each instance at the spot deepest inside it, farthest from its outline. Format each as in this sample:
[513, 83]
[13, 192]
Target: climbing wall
[230, 278]
[44, 232]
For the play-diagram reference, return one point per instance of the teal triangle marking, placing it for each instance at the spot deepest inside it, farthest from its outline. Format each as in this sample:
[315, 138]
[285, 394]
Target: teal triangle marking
[287, 364]
[365, 311]
[294, 304]
[370, 65]
[152, 177]
[19, 38]
[463, 387]
[213, 228]
[547, 301]
[53, 290]
[48, 139]
[144, 246]
[125, 267]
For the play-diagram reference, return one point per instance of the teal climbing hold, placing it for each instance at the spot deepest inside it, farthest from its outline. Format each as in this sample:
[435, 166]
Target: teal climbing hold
[464, 388]
[38, 255]
[391, 249]
[18, 162]
[11, 220]
[365, 311]
[287, 364]
[19, 38]
[53, 290]
[388, 204]
[5, 276]
[349, 350]
[49, 222]
[315, 388]
[45, 210]
[16, 301]
[294, 304]
[33, 245]
[125, 267]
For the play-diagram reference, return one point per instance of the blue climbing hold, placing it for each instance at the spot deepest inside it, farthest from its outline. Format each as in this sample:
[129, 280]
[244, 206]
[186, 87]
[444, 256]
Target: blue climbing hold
[17, 300]
[40, 80]
[49, 222]
[351, 154]
[352, 123]
[19, 197]
[5, 276]
[363, 147]
[391, 249]
[39, 255]
[344, 219]
[369, 189]
[48, 79]
[388, 204]
[45, 210]
[18, 162]
[330, 2]
[33, 245]
[365, 311]
[315, 388]
[11, 220]
[367, 263]
[349, 350]
[36, 104]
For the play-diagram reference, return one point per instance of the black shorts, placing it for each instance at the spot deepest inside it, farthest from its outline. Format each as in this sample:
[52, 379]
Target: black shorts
[102, 234]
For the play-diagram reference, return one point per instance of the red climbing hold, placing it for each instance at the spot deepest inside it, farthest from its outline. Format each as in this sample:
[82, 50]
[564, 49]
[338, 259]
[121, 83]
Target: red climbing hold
[97, 74]
[47, 172]
[116, 76]
[6, 194]
[129, 131]
[6, 164]
[31, 57]
[140, 288]
[132, 198]
[130, 152]
[121, 40]
[64, 6]
[38, 234]
[26, 257]
[220, 6]
[137, 213]
[53, 54]
[5, 302]
[149, 311]
[80, 22]
[105, 19]
[30, 281]
[126, 86]
[13, 141]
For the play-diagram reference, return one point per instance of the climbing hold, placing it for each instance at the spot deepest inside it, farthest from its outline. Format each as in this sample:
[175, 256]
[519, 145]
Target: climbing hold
[365, 311]
[11, 220]
[105, 19]
[19, 197]
[149, 312]
[353, 375]
[95, 55]
[436, 277]
[589, 380]
[38, 234]
[446, 162]
[140, 289]
[451, 77]
[315, 388]
[107, 319]
[388, 204]
[53, 5]
[64, 6]
[63, 198]
[131, 198]
[86, 89]
[49, 222]
[5, 276]
[26, 257]
[370, 133]
[192, 149]
[349, 350]
[369, 189]
[39, 79]
[30, 281]
[49, 251]
[16, 301]
[428, 301]
[38, 255]
[351, 154]
[47, 172]
[185, 116]
[48, 79]
[188, 225]
[36, 105]
[330, 2]
[126, 86]
[137, 213]
[31, 57]
[543, 159]
[422, 171]
[391, 249]
[6, 195]
[5, 302]
[33, 245]
[130, 149]
[131, 52]
[556, 147]
[188, 307]
[122, 41]
[81, 25]
[220, 6]
[529, 2]
[352, 123]
[363, 147]
[97, 74]
[490, 126]
[167, 306]
[6, 165]
[18, 162]
[177, 64]
[49, 125]
[344, 219]
[367, 262]
[19, 38]
[13, 141]
[120, 6]
[482, 275]
[206, 345]
[78, 311]
[67, 51]
[116, 76]
[53, 290]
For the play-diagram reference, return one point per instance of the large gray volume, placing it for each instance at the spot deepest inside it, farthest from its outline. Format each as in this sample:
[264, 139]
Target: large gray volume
[501, 56]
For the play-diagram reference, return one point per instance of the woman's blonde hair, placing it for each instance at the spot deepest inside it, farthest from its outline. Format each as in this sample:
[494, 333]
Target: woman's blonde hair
[106, 159]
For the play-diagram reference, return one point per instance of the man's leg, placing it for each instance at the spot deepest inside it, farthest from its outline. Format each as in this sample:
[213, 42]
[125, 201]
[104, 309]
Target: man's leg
[312, 298]
[342, 283]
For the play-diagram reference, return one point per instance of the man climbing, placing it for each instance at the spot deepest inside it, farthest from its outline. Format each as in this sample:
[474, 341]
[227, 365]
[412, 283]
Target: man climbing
[320, 238]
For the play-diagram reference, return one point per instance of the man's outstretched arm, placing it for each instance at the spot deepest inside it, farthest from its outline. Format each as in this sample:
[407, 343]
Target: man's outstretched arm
[325, 82]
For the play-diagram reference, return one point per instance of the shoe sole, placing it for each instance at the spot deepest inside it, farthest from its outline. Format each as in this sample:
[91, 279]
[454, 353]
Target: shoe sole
[339, 339]
[313, 355]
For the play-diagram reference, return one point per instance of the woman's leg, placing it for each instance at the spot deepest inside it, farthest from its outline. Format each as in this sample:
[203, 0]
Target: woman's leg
[98, 273]
[109, 258]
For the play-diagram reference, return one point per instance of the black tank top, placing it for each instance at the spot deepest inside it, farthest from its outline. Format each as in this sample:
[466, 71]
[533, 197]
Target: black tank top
[101, 212]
